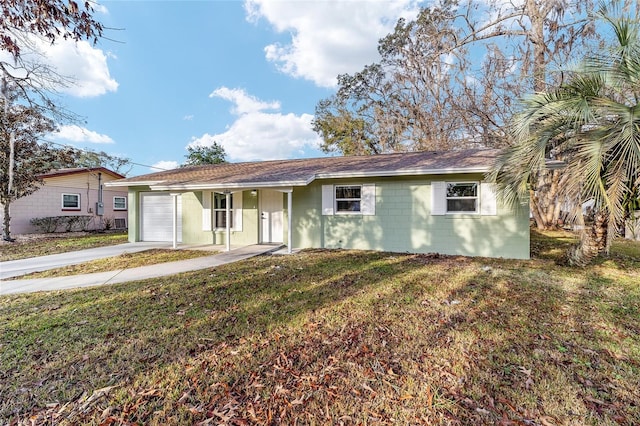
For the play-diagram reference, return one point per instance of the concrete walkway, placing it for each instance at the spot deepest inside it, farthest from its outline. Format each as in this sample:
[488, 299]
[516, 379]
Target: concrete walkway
[21, 267]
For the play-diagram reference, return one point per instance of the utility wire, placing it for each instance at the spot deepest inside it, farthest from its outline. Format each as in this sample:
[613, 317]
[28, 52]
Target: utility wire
[101, 154]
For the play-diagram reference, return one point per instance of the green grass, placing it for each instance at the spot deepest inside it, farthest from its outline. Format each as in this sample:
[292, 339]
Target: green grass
[57, 243]
[123, 261]
[334, 337]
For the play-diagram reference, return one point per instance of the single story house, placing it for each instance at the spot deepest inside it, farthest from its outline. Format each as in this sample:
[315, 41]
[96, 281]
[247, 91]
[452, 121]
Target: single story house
[416, 202]
[73, 192]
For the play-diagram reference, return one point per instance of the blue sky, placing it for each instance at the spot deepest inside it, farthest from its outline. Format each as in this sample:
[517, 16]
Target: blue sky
[246, 74]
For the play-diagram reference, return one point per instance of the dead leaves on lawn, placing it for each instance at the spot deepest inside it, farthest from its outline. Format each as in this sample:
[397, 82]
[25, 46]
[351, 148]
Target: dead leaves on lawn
[402, 340]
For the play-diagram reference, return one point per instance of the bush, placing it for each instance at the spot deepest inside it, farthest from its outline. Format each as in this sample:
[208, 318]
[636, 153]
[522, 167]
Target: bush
[108, 222]
[46, 224]
[83, 222]
[70, 223]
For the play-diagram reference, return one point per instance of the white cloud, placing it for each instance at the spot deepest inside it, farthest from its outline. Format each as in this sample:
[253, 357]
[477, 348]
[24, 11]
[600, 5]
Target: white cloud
[258, 134]
[100, 8]
[164, 165]
[75, 133]
[188, 117]
[244, 103]
[82, 68]
[328, 37]
[84, 64]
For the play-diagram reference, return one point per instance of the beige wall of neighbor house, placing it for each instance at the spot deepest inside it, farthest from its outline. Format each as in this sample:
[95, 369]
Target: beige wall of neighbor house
[73, 193]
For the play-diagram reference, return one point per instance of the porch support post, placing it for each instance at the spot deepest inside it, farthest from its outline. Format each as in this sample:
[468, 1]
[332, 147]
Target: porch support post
[290, 220]
[228, 218]
[174, 202]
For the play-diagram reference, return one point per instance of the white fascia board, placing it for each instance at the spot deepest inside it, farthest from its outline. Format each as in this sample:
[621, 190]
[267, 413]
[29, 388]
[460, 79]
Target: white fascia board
[139, 183]
[409, 172]
[230, 186]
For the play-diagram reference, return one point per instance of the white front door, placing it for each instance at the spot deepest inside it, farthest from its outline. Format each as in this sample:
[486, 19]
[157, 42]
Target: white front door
[271, 216]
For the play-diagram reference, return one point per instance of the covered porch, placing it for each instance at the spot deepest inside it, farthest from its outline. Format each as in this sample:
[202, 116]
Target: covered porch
[219, 217]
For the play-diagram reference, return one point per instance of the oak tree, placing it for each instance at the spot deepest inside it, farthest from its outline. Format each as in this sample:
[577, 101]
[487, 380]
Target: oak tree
[452, 78]
[200, 155]
[26, 82]
[23, 126]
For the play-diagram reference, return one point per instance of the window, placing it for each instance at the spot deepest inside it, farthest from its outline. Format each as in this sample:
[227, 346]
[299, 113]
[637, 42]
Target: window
[70, 201]
[348, 199]
[119, 203]
[220, 210]
[345, 199]
[462, 197]
[120, 223]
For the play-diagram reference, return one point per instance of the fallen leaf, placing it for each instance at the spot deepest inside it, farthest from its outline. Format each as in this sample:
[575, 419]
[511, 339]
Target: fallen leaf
[596, 401]
[547, 421]
[366, 387]
[525, 371]
[528, 383]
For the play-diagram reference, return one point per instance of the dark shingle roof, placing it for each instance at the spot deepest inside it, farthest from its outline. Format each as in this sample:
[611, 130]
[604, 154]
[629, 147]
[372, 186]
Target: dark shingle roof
[303, 171]
[71, 171]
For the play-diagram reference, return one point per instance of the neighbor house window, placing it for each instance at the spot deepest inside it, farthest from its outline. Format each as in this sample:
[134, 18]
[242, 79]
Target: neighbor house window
[462, 197]
[119, 203]
[120, 223]
[220, 210]
[348, 198]
[71, 201]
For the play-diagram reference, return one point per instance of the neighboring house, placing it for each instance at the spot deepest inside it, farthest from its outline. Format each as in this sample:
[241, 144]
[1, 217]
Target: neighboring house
[413, 202]
[73, 192]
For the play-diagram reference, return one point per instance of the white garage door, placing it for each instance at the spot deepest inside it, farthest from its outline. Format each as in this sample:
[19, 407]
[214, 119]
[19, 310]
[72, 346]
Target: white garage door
[157, 216]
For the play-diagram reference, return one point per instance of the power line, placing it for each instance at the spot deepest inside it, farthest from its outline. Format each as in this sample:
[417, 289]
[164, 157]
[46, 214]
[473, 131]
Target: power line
[101, 154]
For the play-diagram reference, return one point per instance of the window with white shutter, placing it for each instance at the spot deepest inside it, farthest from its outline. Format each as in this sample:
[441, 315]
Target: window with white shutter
[438, 198]
[488, 199]
[463, 198]
[349, 199]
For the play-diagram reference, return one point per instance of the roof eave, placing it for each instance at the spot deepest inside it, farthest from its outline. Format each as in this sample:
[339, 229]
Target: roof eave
[137, 183]
[407, 172]
[165, 186]
[232, 185]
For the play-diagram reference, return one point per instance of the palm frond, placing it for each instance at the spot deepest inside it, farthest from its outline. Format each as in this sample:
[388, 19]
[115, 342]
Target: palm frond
[592, 121]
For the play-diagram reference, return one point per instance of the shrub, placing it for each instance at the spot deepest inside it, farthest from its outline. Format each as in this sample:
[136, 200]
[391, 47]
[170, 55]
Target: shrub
[69, 223]
[108, 222]
[77, 223]
[46, 224]
[84, 222]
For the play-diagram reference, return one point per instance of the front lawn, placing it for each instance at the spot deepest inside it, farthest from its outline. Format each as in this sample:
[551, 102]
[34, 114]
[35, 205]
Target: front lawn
[42, 245]
[334, 337]
[123, 261]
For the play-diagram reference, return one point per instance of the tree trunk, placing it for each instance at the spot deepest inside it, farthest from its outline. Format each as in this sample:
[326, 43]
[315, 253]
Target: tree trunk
[593, 242]
[544, 204]
[6, 233]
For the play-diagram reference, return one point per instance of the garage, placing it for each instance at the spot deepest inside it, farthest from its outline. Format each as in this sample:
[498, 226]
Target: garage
[156, 216]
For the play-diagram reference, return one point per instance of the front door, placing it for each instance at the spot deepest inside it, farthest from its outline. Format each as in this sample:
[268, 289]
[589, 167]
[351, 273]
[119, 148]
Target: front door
[271, 216]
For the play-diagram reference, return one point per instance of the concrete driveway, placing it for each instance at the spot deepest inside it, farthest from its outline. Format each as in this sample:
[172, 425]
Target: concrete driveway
[21, 267]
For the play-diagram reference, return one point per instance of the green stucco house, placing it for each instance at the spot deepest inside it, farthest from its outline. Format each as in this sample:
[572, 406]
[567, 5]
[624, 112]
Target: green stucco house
[418, 202]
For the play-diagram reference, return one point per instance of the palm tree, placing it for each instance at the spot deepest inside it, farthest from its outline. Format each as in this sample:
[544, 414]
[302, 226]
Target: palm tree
[591, 124]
